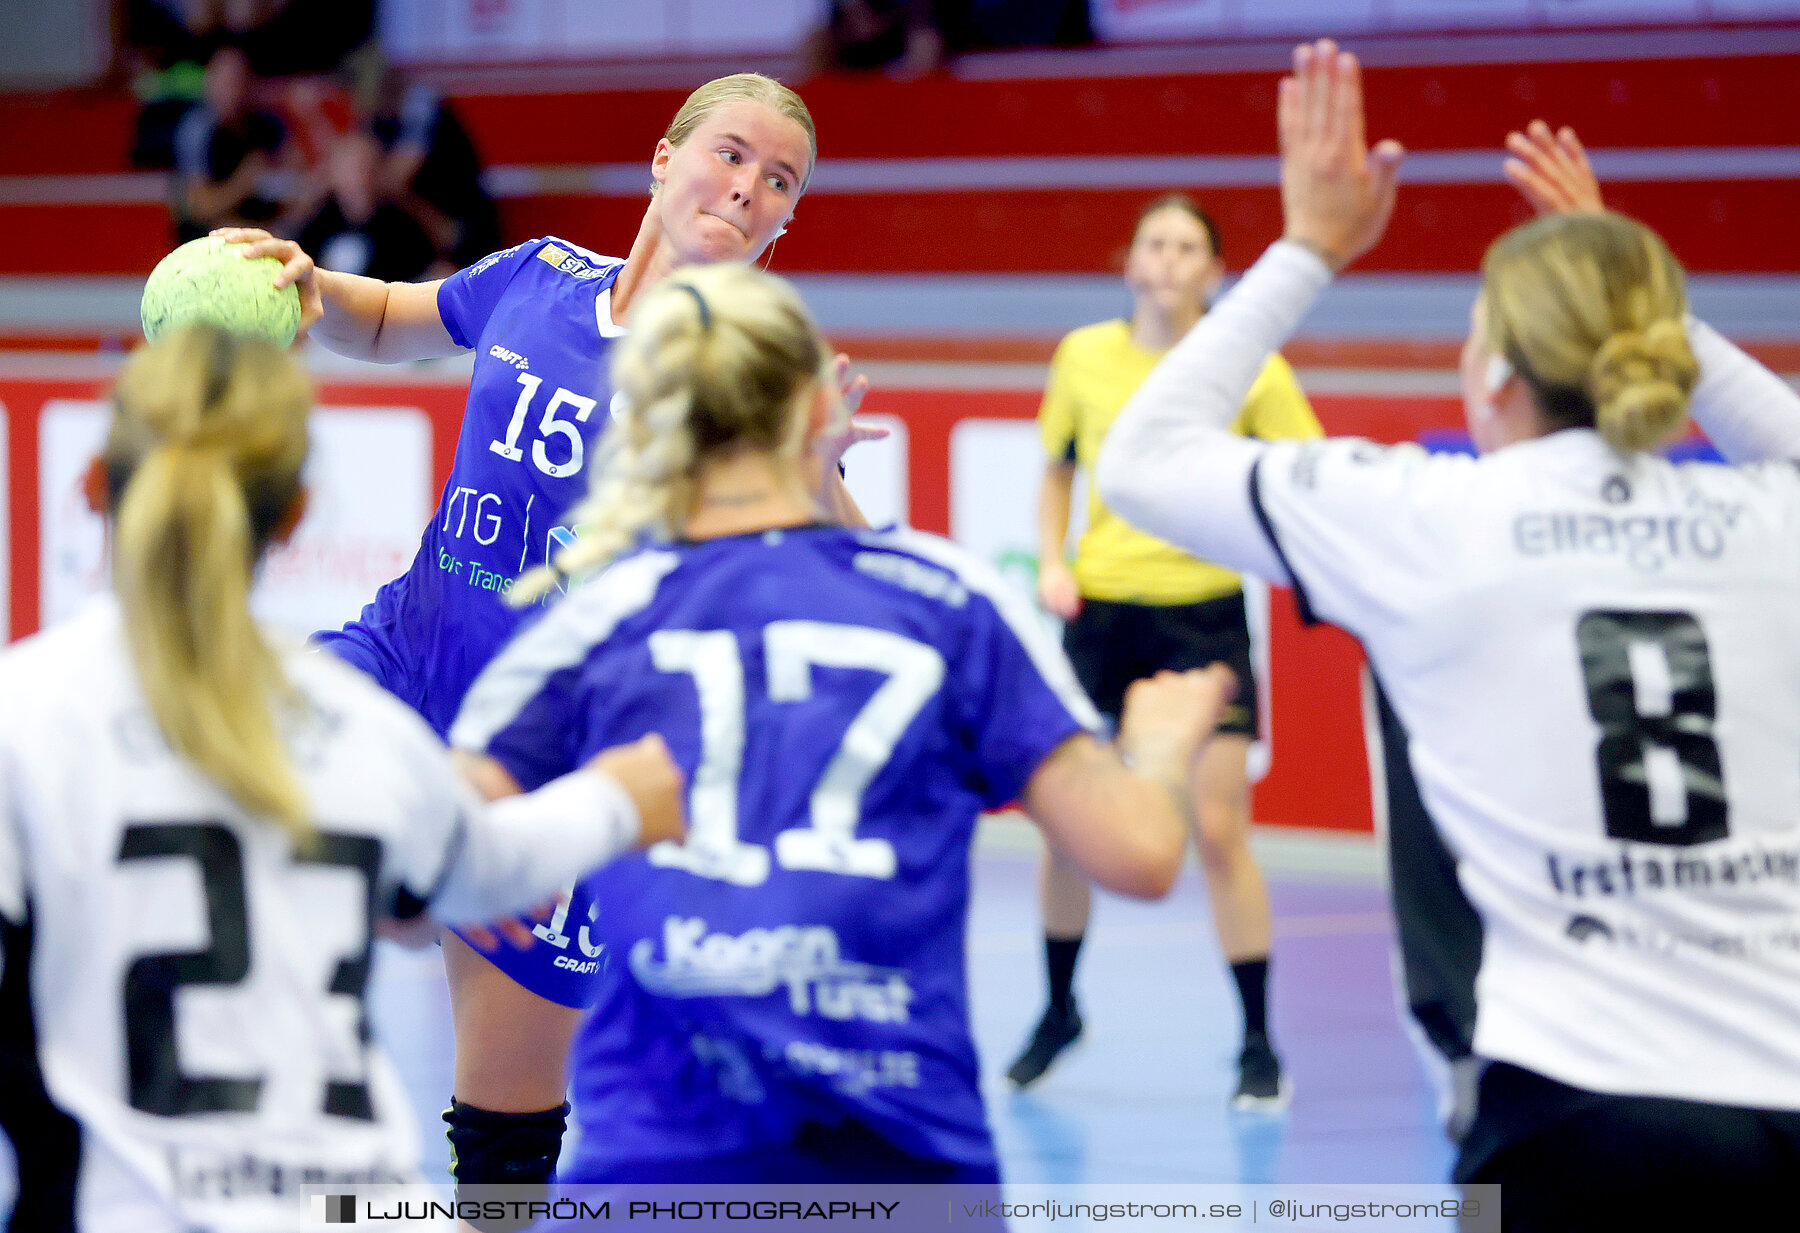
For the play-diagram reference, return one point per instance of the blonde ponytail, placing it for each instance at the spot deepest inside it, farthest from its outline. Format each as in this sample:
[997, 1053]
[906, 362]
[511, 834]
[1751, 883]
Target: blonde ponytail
[1640, 381]
[1589, 309]
[204, 455]
[714, 363]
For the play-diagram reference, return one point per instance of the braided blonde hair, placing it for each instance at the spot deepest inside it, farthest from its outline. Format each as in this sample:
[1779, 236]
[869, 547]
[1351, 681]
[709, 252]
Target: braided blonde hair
[203, 462]
[1589, 309]
[717, 363]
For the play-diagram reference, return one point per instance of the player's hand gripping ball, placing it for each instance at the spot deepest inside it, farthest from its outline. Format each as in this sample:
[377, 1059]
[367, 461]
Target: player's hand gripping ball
[206, 280]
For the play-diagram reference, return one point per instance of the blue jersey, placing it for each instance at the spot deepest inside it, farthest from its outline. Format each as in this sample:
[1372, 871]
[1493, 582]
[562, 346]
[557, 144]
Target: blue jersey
[539, 317]
[844, 703]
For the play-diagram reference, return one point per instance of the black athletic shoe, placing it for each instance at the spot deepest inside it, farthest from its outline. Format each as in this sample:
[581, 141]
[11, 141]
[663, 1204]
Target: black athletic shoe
[1056, 1031]
[1262, 1088]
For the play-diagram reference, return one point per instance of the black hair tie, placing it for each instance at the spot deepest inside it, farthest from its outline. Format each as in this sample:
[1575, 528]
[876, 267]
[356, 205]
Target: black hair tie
[700, 303]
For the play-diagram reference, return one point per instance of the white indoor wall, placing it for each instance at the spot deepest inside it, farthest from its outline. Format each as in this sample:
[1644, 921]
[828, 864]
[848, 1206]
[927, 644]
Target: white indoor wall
[53, 44]
[1135, 20]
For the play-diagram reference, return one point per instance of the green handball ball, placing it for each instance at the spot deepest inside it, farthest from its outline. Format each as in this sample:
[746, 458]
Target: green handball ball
[206, 280]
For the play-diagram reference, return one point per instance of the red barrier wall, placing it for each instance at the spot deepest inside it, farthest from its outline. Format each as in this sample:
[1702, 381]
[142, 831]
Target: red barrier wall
[1319, 777]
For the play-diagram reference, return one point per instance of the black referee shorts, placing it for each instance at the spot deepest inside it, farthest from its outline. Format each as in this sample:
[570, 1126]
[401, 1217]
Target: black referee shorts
[1112, 645]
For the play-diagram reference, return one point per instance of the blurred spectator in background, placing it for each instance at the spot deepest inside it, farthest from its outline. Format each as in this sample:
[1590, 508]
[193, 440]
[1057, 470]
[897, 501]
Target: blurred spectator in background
[357, 228]
[901, 35]
[162, 60]
[281, 37]
[164, 44]
[989, 25]
[225, 150]
[160, 34]
[429, 168]
[911, 37]
[397, 197]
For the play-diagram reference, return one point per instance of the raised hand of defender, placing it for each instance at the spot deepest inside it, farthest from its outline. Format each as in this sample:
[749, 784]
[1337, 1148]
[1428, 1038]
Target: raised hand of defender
[1336, 193]
[1552, 171]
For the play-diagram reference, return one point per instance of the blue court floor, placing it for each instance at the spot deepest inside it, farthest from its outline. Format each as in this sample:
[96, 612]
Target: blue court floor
[1142, 1098]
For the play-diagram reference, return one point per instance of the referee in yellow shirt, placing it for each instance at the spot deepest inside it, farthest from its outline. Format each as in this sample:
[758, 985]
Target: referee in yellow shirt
[1135, 604]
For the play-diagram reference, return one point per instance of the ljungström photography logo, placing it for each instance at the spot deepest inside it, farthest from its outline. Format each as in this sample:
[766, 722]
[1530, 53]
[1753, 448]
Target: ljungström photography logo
[334, 1208]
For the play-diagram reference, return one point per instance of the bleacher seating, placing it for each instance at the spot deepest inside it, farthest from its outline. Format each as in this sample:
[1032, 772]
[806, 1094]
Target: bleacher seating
[979, 174]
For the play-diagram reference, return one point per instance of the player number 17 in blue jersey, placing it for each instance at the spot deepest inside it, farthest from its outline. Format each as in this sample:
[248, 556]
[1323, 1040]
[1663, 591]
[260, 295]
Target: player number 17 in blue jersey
[914, 673]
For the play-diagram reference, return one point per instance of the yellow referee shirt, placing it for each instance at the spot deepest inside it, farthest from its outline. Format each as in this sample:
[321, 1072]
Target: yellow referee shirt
[1095, 370]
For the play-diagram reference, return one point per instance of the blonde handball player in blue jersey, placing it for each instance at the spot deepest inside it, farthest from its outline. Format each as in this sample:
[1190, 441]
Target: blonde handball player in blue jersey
[785, 995]
[542, 319]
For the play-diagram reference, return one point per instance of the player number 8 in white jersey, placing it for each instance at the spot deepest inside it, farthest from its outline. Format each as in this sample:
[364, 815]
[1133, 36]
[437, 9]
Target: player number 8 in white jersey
[1650, 689]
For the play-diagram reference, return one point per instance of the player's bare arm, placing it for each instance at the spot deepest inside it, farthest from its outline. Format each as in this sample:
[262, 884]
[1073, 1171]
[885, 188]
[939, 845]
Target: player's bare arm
[363, 318]
[1057, 591]
[486, 775]
[643, 768]
[657, 787]
[1123, 816]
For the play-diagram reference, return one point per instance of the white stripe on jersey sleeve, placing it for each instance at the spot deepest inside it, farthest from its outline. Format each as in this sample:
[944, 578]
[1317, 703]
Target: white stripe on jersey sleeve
[585, 618]
[12, 856]
[984, 580]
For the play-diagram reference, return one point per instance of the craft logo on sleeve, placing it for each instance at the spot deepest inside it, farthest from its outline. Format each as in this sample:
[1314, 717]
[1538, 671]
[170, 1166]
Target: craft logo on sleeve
[334, 1208]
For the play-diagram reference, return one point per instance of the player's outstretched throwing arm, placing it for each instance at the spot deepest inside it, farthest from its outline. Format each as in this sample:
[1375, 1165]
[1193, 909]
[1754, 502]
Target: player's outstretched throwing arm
[363, 318]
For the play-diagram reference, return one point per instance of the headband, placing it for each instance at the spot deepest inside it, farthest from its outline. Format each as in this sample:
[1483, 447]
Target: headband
[700, 303]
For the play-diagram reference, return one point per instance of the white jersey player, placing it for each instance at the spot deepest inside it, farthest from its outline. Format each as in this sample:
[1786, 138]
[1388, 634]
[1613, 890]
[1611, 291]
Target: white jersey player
[1590, 656]
[187, 935]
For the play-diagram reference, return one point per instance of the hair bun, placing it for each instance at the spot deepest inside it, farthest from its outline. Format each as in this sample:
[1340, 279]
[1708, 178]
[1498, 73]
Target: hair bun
[1639, 381]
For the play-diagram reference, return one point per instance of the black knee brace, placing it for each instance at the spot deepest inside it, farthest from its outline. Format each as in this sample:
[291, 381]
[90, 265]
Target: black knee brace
[516, 1151]
[488, 1148]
